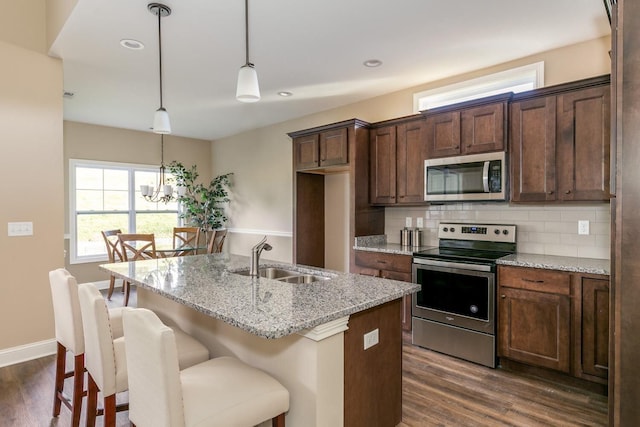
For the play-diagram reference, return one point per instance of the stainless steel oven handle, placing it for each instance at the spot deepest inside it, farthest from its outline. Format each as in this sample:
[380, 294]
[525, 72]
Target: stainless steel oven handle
[449, 264]
[485, 176]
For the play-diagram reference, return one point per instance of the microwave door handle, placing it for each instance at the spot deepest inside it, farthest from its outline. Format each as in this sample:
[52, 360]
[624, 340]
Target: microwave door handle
[485, 176]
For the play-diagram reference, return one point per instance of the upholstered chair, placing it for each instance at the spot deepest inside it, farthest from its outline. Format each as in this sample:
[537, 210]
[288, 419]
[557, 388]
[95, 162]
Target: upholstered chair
[69, 337]
[105, 355]
[221, 392]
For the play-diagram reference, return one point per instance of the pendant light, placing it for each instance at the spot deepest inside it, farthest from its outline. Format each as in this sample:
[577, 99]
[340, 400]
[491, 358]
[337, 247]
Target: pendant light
[161, 122]
[248, 89]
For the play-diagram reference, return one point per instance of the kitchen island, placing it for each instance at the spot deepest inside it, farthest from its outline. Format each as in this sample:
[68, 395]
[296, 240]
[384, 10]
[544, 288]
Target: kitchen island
[304, 334]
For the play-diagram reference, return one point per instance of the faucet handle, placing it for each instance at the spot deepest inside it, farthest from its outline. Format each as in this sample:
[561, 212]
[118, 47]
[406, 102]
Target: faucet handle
[264, 239]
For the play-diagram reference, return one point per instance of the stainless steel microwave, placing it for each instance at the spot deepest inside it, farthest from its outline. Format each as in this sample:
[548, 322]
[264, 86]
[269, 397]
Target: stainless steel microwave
[471, 177]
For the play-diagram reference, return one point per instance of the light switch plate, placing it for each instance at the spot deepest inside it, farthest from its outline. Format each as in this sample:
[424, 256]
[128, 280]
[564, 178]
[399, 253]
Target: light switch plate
[20, 229]
[370, 339]
[408, 221]
[583, 227]
[419, 222]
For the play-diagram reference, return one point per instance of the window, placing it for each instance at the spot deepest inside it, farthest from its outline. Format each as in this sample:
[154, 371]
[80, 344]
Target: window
[515, 80]
[106, 196]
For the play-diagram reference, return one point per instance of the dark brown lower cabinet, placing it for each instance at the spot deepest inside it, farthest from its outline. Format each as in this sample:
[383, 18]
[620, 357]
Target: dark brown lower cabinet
[593, 350]
[555, 320]
[387, 266]
[534, 328]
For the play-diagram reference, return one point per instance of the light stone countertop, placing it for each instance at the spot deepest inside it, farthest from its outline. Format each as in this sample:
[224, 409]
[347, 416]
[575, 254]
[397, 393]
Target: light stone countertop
[562, 263]
[263, 307]
[378, 243]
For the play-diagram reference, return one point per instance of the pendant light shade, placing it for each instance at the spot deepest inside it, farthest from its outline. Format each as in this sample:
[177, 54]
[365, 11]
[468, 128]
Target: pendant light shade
[161, 122]
[247, 89]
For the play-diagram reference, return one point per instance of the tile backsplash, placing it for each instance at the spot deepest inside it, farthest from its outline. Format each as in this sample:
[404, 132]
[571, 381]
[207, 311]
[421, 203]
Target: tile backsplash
[541, 229]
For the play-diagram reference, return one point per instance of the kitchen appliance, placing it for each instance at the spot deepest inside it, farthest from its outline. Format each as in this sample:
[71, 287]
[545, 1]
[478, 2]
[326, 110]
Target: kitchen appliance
[470, 177]
[454, 311]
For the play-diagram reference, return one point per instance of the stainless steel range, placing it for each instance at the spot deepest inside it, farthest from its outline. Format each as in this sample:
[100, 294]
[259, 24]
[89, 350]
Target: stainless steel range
[454, 312]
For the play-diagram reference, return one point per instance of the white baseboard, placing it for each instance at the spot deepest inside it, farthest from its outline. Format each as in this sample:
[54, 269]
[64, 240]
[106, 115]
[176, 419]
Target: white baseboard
[23, 353]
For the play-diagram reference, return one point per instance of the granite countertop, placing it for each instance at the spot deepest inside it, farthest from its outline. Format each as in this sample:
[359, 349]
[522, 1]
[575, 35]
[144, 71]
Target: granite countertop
[378, 243]
[562, 263]
[264, 307]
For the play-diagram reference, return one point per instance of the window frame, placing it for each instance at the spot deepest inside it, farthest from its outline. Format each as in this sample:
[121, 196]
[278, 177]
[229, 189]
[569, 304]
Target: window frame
[480, 87]
[131, 168]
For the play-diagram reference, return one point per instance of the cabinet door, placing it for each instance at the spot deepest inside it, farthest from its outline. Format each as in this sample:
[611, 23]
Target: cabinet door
[583, 144]
[411, 152]
[383, 165]
[443, 134]
[595, 327]
[534, 328]
[533, 150]
[483, 129]
[306, 151]
[334, 147]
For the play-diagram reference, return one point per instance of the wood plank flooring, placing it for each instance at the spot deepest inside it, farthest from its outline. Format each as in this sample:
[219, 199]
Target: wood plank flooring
[438, 390]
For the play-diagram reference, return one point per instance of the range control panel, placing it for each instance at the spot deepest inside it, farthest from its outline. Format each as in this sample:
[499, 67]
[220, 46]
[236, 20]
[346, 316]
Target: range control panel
[483, 232]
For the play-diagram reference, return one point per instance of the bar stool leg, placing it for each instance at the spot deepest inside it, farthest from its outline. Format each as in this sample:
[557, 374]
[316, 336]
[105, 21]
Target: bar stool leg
[61, 355]
[78, 389]
[92, 402]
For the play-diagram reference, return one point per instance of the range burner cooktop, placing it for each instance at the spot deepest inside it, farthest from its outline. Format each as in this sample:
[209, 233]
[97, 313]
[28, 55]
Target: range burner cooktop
[472, 242]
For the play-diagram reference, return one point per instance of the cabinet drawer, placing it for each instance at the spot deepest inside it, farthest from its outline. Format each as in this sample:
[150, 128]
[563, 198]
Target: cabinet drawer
[535, 279]
[396, 275]
[383, 261]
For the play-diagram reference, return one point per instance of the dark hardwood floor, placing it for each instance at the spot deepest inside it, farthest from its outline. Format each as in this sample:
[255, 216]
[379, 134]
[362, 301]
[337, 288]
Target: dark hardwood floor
[438, 390]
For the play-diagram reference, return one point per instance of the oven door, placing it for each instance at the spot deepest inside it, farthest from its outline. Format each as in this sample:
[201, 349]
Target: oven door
[455, 293]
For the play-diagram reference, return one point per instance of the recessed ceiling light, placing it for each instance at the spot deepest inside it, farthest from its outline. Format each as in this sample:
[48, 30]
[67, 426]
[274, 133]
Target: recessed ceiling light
[285, 94]
[131, 44]
[372, 63]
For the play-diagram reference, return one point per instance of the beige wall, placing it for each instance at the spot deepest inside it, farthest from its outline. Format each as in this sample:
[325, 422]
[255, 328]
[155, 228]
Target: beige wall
[93, 142]
[261, 159]
[23, 24]
[32, 190]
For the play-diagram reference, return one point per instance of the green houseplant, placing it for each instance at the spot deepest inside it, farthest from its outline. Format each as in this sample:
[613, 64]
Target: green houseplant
[203, 205]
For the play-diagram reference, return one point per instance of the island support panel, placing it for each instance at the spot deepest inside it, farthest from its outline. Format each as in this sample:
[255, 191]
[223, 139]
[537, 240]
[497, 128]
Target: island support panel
[310, 364]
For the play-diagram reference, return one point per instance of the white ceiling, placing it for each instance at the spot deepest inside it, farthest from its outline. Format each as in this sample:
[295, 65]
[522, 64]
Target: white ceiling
[314, 49]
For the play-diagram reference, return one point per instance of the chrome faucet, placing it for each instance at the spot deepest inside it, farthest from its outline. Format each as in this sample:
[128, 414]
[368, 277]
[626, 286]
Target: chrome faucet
[255, 256]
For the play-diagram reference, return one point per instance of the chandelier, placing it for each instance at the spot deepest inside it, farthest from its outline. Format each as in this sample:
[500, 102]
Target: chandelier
[164, 192]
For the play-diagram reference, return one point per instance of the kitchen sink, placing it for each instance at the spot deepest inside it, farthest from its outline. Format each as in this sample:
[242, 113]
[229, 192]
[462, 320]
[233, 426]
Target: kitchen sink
[284, 275]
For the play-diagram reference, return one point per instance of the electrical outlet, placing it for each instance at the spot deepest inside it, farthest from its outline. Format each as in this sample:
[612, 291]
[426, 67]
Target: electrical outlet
[20, 229]
[370, 339]
[583, 227]
[419, 222]
[408, 221]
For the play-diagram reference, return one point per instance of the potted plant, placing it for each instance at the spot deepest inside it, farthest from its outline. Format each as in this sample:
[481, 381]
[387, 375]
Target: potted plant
[203, 206]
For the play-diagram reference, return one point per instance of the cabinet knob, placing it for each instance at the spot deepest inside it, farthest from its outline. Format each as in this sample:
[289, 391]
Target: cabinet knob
[550, 192]
[503, 296]
[567, 192]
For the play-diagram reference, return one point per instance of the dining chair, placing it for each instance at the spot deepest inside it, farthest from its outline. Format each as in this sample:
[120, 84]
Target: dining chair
[70, 338]
[217, 240]
[105, 355]
[219, 392]
[115, 255]
[135, 247]
[186, 240]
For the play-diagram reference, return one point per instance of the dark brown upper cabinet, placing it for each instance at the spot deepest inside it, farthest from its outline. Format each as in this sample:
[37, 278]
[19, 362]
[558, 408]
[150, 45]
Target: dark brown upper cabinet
[560, 143]
[397, 153]
[472, 127]
[322, 149]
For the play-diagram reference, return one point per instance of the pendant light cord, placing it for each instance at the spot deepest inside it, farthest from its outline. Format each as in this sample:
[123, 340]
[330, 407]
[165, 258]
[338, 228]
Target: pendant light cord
[160, 50]
[246, 31]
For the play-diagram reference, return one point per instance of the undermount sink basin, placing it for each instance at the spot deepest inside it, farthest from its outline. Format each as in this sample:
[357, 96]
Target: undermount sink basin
[283, 275]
